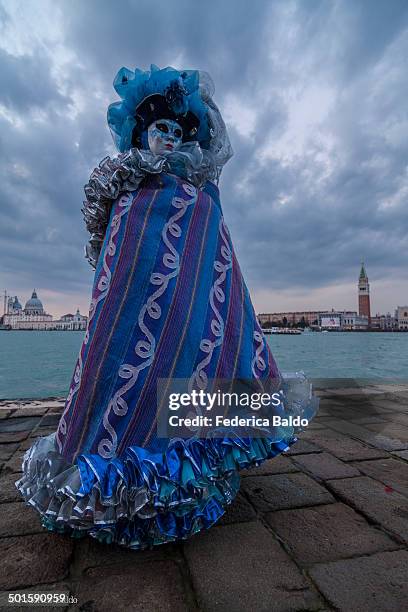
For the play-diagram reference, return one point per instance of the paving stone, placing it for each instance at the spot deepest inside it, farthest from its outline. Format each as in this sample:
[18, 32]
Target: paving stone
[239, 511]
[19, 519]
[28, 404]
[340, 392]
[391, 472]
[323, 412]
[364, 434]
[368, 419]
[400, 418]
[29, 412]
[310, 537]
[348, 411]
[344, 447]
[43, 431]
[326, 406]
[41, 403]
[13, 436]
[389, 404]
[402, 399]
[50, 420]
[7, 450]
[51, 589]
[354, 409]
[317, 423]
[357, 392]
[328, 392]
[276, 465]
[280, 491]
[8, 489]
[53, 403]
[401, 454]
[372, 498]
[15, 464]
[396, 431]
[325, 466]
[145, 587]
[19, 424]
[395, 388]
[346, 418]
[242, 567]
[56, 409]
[302, 446]
[90, 553]
[9, 405]
[378, 582]
[350, 408]
[380, 410]
[26, 444]
[34, 559]
[363, 400]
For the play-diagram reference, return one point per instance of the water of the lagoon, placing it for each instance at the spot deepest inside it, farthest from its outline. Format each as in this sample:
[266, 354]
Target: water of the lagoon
[40, 364]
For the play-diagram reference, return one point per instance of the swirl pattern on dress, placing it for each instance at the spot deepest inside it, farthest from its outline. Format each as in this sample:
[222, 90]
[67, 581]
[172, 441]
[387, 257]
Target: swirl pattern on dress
[207, 345]
[258, 361]
[145, 349]
[103, 286]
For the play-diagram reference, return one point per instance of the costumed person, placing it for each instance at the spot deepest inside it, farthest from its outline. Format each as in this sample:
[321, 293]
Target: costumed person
[168, 302]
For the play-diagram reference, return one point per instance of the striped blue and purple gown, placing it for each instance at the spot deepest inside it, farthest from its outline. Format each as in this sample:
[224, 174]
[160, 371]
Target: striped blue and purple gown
[168, 301]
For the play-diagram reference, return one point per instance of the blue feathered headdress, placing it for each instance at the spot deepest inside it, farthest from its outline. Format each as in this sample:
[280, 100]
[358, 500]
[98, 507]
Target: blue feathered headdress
[157, 94]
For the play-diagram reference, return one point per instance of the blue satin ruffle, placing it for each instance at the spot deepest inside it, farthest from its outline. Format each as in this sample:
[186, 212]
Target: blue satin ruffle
[188, 487]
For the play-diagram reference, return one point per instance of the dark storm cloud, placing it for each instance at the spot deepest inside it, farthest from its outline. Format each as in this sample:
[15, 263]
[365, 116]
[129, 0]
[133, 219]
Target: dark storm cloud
[225, 38]
[26, 82]
[314, 94]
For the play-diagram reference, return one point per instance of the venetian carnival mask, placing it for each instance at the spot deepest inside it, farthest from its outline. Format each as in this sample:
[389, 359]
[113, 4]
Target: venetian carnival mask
[164, 136]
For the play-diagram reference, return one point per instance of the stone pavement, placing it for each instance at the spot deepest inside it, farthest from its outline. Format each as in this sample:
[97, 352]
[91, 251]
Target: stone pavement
[322, 527]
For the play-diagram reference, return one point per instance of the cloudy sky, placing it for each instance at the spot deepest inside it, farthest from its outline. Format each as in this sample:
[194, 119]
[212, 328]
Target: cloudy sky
[314, 94]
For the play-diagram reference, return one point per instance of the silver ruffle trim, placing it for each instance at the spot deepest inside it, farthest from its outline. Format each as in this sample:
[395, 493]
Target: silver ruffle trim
[51, 484]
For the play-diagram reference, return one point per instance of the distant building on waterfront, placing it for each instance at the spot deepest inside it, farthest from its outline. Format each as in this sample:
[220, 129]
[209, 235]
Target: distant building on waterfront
[364, 295]
[331, 320]
[70, 322]
[385, 322]
[401, 315]
[326, 319]
[343, 320]
[34, 317]
[310, 317]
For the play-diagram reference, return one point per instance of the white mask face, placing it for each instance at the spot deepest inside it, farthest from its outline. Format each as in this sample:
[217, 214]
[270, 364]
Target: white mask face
[164, 136]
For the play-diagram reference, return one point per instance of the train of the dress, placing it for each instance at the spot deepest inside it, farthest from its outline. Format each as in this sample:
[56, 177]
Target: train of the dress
[142, 498]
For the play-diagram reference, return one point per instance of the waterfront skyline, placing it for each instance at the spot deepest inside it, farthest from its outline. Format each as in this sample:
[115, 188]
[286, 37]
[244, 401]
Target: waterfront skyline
[348, 319]
[302, 307]
[35, 317]
[314, 98]
[6, 296]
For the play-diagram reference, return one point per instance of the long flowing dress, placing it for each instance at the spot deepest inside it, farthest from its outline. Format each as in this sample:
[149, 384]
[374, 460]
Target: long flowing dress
[168, 301]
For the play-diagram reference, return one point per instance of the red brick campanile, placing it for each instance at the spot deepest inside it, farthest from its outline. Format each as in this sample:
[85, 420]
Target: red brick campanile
[364, 295]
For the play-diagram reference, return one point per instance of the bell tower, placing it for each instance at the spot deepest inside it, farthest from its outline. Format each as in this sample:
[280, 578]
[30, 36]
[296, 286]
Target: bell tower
[364, 295]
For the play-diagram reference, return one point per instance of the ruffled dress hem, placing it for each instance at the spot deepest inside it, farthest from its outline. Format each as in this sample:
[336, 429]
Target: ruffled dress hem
[141, 499]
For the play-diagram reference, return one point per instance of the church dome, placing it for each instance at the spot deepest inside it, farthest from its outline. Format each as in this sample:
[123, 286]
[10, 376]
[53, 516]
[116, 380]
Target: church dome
[16, 304]
[34, 305]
